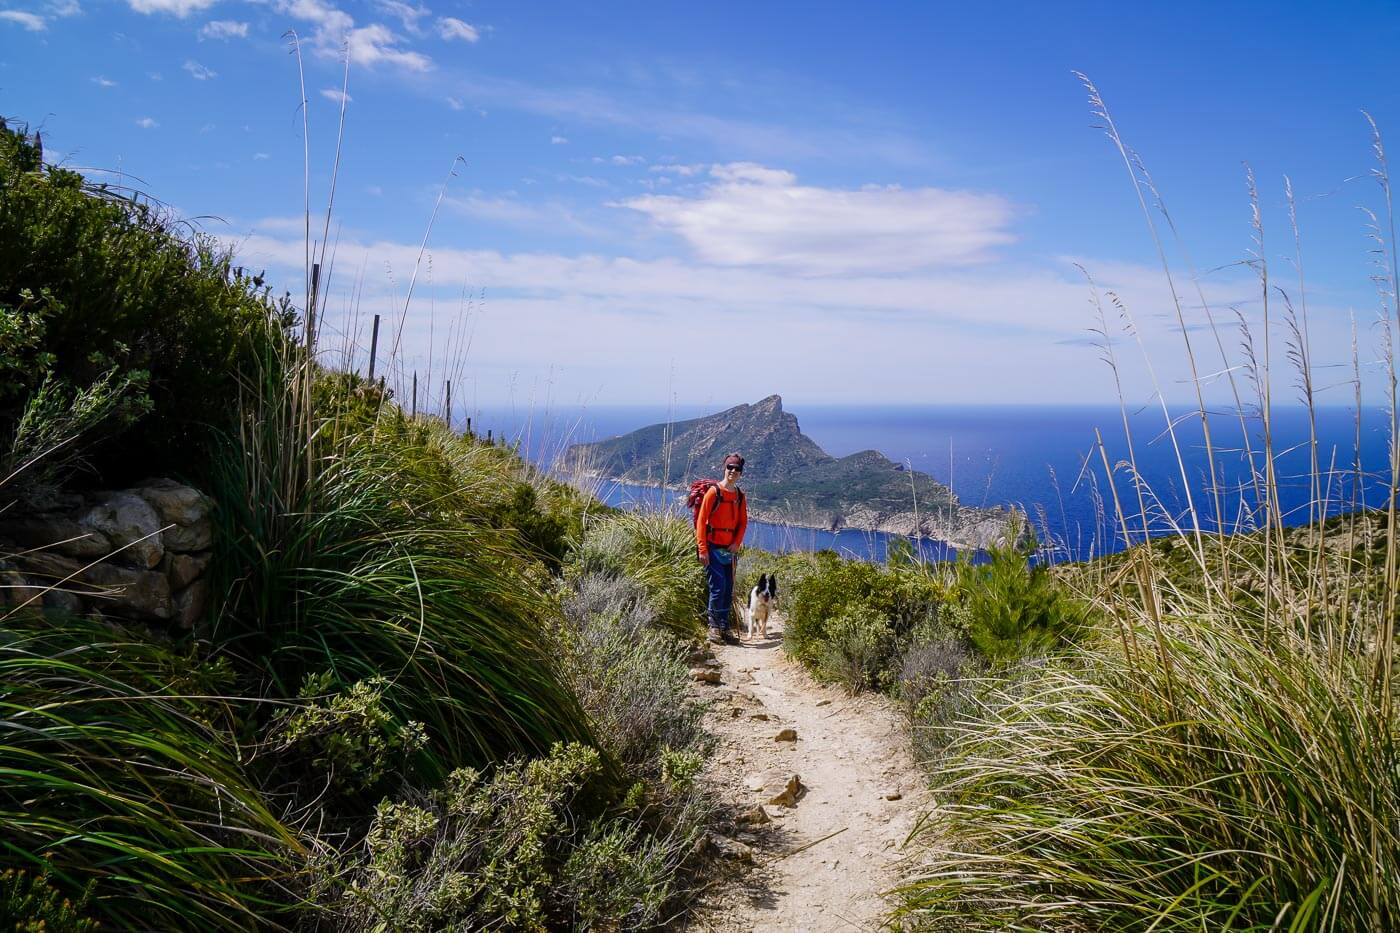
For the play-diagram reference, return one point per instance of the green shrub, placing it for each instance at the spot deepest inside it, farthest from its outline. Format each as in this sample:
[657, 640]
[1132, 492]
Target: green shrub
[29, 904]
[938, 680]
[348, 739]
[91, 282]
[857, 650]
[58, 425]
[530, 848]
[904, 597]
[631, 680]
[1010, 608]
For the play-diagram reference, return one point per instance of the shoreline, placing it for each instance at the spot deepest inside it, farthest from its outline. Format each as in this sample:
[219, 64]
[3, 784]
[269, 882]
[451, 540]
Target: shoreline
[989, 523]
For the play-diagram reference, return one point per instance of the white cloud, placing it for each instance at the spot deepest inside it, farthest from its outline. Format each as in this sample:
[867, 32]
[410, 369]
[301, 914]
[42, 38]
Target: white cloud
[63, 8]
[374, 191]
[155, 76]
[517, 213]
[335, 95]
[406, 13]
[335, 33]
[146, 123]
[685, 171]
[752, 215]
[179, 8]
[30, 21]
[260, 156]
[223, 29]
[198, 71]
[449, 27]
[990, 333]
[558, 140]
[618, 160]
[454, 103]
[377, 45]
[102, 81]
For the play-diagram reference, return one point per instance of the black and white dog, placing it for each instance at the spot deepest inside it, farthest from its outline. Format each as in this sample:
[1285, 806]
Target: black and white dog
[763, 599]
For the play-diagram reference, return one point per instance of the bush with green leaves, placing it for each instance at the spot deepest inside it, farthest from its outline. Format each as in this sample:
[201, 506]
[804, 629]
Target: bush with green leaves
[630, 678]
[856, 650]
[1010, 608]
[903, 597]
[537, 845]
[92, 282]
[29, 904]
[348, 739]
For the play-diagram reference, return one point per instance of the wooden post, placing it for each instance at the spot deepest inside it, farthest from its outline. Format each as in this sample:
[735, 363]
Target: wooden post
[469, 424]
[415, 393]
[449, 404]
[311, 307]
[373, 347]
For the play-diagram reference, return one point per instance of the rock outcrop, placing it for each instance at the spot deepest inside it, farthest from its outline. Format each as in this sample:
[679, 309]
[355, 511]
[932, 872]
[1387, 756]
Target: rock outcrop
[139, 553]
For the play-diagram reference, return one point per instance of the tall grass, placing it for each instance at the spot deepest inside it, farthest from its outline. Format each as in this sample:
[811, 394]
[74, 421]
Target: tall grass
[119, 775]
[1221, 753]
[655, 549]
[378, 560]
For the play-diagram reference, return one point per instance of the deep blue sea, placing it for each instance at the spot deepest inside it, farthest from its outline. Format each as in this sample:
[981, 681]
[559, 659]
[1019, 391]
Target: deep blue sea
[1043, 459]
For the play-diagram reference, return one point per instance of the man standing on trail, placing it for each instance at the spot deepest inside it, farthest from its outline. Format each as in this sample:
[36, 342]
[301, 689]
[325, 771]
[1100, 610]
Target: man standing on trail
[719, 532]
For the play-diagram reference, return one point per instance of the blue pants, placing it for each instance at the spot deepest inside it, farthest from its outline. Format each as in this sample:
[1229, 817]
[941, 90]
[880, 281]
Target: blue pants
[719, 574]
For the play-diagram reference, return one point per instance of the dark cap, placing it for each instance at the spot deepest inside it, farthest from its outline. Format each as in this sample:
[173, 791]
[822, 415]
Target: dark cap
[734, 460]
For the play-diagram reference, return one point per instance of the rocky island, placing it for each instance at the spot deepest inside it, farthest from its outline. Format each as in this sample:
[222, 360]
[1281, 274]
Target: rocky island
[790, 480]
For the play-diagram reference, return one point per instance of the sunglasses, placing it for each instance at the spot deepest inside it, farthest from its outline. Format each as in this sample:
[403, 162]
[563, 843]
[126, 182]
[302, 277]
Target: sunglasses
[736, 469]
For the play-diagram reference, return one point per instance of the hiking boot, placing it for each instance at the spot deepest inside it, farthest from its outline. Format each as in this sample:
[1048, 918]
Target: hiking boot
[729, 637]
[716, 635]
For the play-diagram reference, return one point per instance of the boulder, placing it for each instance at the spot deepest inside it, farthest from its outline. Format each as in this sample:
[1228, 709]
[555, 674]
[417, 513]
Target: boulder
[56, 533]
[186, 509]
[189, 603]
[131, 525]
[176, 504]
[704, 675]
[123, 590]
[184, 569]
[786, 735]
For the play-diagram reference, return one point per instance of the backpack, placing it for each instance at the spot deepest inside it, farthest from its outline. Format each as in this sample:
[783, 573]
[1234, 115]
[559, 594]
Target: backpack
[696, 498]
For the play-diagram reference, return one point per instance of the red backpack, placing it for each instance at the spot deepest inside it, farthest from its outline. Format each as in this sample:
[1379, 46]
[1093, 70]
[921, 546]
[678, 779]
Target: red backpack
[697, 498]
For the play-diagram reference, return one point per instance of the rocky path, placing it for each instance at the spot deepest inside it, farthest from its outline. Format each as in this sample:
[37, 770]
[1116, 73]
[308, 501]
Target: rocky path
[813, 855]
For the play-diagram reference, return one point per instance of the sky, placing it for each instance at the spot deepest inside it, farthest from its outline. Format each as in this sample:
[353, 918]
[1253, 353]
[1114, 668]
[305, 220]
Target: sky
[606, 204]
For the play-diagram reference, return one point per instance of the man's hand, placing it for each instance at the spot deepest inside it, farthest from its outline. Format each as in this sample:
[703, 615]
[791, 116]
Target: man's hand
[705, 558]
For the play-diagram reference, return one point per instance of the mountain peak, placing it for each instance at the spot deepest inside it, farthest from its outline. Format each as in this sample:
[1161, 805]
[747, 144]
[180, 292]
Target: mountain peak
[771, 404]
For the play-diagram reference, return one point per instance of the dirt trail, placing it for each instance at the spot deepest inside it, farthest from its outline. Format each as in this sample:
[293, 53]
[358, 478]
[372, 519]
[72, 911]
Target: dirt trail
[852, 755]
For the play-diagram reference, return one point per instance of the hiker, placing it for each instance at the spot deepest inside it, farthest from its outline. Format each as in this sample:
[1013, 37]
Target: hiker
[719, 533]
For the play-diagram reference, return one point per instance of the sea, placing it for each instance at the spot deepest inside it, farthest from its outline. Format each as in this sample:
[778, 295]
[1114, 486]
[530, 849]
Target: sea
[1048, 461]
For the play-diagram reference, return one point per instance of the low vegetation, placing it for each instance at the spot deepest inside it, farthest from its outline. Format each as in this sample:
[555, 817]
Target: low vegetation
[433, 689]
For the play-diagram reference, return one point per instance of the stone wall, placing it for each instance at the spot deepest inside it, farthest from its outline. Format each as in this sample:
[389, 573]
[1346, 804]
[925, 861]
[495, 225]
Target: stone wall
[137, 553]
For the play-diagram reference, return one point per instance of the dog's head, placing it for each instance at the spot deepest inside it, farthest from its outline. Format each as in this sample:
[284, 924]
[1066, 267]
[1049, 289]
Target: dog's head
[767, 587]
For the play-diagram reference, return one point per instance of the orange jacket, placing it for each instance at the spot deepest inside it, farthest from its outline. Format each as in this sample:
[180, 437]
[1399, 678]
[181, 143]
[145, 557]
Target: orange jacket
[723, 518]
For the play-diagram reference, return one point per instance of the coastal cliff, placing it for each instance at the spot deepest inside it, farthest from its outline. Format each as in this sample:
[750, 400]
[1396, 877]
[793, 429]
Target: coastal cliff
[790, 480]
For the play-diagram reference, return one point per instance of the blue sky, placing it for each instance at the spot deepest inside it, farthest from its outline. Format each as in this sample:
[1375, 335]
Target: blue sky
[709, 203]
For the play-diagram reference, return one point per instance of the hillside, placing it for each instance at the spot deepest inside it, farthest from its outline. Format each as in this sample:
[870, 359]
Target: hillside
[789, 479]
